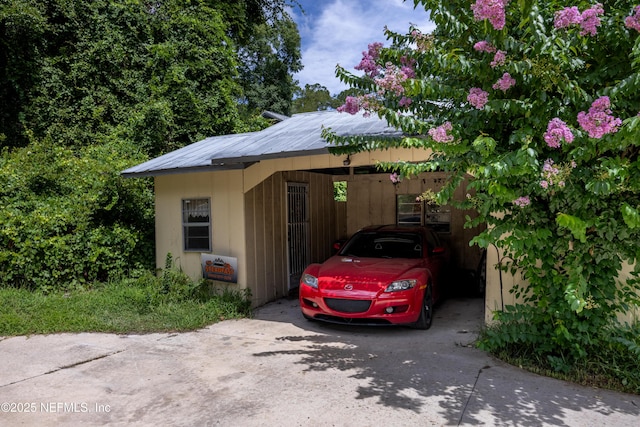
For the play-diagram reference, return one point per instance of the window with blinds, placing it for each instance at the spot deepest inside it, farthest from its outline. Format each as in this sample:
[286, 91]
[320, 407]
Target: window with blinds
[196, 224]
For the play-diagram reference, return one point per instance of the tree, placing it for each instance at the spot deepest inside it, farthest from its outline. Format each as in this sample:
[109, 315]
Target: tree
[313, 97]
[162, 75]
[268, 61]
[538, 102]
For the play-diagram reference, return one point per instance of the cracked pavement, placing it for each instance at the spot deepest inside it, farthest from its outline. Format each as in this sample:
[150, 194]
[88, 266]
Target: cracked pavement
[279, 369]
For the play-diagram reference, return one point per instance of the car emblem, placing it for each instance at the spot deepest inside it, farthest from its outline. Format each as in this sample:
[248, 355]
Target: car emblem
[348, 287]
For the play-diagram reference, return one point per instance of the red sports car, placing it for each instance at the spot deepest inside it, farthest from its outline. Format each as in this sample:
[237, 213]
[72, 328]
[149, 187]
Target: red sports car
[382, 275]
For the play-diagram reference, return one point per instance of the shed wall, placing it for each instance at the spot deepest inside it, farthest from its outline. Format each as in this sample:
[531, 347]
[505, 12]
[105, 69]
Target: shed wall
[266, 230]
[371, 199]
[227, 204]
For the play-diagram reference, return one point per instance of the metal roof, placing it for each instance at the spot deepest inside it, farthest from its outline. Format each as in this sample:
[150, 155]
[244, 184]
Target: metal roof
[299, 135]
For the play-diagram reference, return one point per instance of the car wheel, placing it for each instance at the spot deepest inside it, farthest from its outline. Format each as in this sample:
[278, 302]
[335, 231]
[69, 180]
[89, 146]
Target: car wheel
[426, 311]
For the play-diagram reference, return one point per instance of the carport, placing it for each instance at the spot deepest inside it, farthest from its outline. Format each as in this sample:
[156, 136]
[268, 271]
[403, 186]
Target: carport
[251, 210]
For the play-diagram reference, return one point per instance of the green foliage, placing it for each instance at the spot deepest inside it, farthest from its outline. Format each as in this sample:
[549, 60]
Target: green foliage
[313, 98]
[69, 218]
[340, 191]
[136, 305]
[267, 62]
[566, 216]
[92, 88]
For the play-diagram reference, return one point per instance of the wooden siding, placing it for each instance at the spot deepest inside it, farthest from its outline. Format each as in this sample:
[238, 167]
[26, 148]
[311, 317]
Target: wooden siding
[266, 230]
[371, 199]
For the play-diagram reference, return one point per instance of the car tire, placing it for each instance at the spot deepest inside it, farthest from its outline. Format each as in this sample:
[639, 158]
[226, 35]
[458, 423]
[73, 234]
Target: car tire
[426, 311]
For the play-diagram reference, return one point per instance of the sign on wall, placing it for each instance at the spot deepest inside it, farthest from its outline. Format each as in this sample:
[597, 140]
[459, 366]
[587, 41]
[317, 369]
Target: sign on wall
[222, 268]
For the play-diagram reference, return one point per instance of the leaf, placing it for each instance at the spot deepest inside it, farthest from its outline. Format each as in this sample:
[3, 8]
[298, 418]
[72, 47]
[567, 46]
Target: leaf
[577, 226]
[630, 215]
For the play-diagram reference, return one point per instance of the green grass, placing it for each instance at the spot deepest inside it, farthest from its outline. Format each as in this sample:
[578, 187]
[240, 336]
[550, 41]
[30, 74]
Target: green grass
[143, 305]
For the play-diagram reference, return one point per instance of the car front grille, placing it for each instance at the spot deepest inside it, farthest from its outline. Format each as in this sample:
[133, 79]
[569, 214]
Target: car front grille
[348, 305]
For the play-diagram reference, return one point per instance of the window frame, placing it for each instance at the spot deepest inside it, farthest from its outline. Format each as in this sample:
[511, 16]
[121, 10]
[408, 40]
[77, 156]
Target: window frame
[190, 225]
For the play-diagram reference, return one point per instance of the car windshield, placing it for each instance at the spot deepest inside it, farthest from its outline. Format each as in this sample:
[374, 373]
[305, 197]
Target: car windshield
[384, 245]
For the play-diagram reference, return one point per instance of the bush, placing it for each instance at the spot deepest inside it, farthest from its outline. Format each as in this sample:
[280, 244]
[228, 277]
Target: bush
[69, 219]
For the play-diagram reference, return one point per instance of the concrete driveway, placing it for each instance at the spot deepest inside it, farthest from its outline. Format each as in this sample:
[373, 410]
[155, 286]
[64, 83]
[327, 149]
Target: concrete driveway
[278, 369]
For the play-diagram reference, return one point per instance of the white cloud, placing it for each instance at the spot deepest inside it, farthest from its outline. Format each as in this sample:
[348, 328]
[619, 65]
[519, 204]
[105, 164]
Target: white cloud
[337, 31]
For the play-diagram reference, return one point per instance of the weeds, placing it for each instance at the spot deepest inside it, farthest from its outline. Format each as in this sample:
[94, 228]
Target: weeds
[611, 360]
[148, 303]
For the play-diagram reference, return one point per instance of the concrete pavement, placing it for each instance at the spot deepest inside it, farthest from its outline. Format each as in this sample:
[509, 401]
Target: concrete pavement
[278, 369]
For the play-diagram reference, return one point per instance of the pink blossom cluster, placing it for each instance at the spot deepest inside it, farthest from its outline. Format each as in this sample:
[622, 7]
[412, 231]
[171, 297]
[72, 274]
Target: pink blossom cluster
[599, 121]
[408, 66]
[368, 63]
[633, 21]
[405, 102]
[484, 46]
[395, 178]
[504, 83]
[498, 59]
[442, 133]
[392, 80]
[522, 201]
[567, 17]
[353, 104]
[549, 173]
[589, 20]
[557, 131]
[493, 10]
[478, 97]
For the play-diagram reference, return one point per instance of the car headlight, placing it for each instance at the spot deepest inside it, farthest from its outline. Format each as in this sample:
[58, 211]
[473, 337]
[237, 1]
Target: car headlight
[309, 280]
[401, 285]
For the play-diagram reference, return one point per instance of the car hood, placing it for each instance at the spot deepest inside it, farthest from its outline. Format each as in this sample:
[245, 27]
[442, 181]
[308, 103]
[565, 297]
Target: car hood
[364, 273]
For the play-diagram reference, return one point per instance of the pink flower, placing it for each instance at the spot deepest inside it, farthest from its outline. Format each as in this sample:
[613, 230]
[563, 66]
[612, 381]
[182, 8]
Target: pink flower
[633, 21]
[484, 46]
[351, 105]
[599, 121]
[504, 83]
[557, 131]
[544, 184]
[522, 201]
[405, 102]
[392, 80]
[590, 21]
[395, 178]
[478, 98]
[498, 58]
[408, 67]
[493, 10]
[368, 63]
[441, 133]
[566, 17]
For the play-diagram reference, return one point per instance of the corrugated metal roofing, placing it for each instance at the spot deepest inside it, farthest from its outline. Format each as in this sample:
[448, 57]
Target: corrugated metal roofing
[296, 136]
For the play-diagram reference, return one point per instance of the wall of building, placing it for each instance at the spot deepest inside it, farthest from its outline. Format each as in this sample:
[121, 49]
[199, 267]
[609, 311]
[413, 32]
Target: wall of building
[500, 283]
[266, 230]
[371, 199]
[227, 222]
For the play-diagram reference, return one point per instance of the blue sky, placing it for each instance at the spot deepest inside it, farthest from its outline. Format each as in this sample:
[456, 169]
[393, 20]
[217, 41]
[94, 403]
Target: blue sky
[337, 31]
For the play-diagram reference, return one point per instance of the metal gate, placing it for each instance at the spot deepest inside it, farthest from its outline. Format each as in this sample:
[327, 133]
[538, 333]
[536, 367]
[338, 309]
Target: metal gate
[297, 231]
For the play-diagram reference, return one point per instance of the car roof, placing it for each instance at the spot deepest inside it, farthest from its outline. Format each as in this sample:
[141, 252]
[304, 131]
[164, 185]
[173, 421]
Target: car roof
[393, 227]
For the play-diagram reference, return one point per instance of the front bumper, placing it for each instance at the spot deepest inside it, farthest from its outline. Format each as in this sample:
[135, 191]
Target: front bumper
[393, 308]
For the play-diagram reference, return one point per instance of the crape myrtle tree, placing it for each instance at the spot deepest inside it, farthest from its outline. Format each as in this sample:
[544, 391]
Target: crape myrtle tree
[538, 101]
